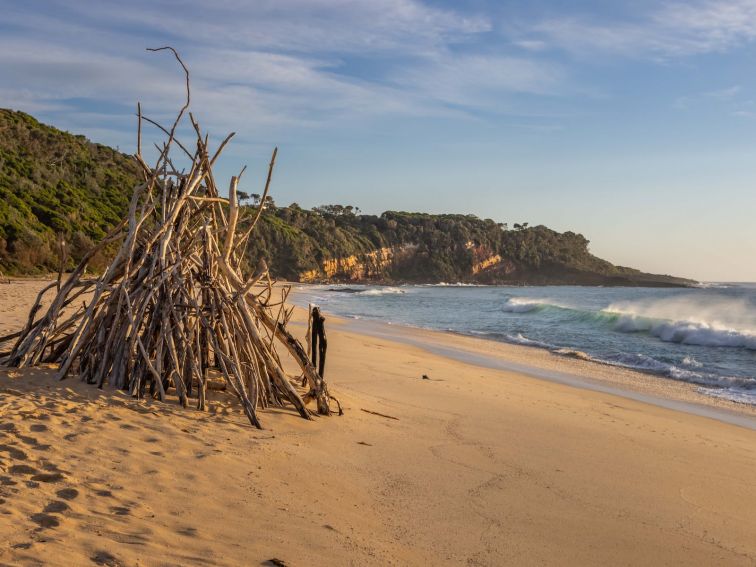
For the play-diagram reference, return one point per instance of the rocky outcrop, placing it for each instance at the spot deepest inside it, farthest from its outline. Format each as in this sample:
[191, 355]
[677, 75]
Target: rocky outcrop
[489, 262]
[373, 265]
[482, 257]
[381, 264]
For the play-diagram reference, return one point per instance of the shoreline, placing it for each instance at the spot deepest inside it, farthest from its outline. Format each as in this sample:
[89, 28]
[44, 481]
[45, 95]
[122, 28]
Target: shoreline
[547, 364]
[617, 381]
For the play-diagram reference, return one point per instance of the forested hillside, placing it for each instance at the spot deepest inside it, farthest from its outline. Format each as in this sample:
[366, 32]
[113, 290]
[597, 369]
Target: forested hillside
[57, 185]
[333, 243]
[54, 183]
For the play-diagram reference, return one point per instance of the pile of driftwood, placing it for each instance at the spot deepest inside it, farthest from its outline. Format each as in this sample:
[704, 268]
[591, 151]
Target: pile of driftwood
[175, 305]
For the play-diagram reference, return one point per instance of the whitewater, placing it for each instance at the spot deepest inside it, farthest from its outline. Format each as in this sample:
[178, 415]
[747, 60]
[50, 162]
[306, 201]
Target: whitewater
[705, 336]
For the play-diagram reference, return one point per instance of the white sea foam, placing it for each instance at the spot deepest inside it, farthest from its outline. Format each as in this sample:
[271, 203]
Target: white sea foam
[516, 338]
[520, 339]
[734, 395]
[644, 363]
[381, 291]
[692, 362]
[458, 284]
[635, 361]
[713, 285]
[719, 322]
[523, 304]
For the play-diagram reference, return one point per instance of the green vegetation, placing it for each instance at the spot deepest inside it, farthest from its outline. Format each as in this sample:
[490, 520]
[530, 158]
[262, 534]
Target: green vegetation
[55, 184]
[435, 248]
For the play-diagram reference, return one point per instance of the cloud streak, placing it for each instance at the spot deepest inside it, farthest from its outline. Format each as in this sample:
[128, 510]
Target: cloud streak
[288, 66]
[672, 29]
[264, 65]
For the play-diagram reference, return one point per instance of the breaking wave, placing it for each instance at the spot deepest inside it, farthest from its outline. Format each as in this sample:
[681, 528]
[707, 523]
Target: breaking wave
[367, 291]
[457, 284]
[689, 333]
[722, 322]
[381, 291]
[527, 304]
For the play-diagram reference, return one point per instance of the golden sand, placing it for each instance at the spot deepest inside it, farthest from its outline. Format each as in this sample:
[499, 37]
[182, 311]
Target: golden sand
[481, 467]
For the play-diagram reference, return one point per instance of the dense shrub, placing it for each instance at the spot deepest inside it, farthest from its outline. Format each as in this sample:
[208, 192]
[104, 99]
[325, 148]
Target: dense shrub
[54, 184]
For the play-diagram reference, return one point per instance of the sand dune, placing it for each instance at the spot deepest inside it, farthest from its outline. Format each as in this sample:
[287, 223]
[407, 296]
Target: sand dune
[480, 467]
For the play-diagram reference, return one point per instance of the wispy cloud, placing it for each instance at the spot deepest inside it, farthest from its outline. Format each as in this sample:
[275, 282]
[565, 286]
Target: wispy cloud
[671, 29]
[288, 65]
[264, 64]
[296, 25]
[479, 80]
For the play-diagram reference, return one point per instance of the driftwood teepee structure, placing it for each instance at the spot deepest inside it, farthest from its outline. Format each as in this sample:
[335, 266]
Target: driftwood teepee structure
[175, 303]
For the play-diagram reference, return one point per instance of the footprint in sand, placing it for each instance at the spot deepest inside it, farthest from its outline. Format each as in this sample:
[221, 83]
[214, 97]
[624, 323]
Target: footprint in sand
[48, 477]
[45, 520]
[129, 538]
[7, 481]
[22, 469]
[14, 453]
[56, 507]
[21, 546]
[106, 559]
[27, 440]
[67, 493]
[32, 442]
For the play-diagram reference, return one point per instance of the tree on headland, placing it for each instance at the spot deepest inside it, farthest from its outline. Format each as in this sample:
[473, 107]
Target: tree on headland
[336, 210]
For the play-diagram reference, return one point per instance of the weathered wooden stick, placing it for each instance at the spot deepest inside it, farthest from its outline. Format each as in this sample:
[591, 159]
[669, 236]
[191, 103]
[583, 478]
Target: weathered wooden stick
[177, 302]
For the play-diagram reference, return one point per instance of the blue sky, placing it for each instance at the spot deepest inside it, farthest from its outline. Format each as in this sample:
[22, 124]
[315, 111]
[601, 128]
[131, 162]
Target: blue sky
[631, 122]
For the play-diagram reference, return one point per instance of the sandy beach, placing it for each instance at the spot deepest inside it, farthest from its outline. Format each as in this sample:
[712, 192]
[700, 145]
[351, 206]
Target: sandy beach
[534, 459]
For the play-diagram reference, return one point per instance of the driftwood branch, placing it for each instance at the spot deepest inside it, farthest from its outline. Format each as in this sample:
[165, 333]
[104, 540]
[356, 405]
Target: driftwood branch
[175, 311]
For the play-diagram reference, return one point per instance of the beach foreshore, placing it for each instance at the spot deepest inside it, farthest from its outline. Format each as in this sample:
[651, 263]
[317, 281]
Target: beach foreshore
[503, 455]
[571, 368]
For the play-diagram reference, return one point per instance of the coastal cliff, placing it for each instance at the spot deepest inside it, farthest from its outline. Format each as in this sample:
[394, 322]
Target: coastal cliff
[331, 245]
[367, 266]
[59, 186]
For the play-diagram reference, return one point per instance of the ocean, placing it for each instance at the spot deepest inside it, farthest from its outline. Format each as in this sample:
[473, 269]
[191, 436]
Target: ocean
[704, 335]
